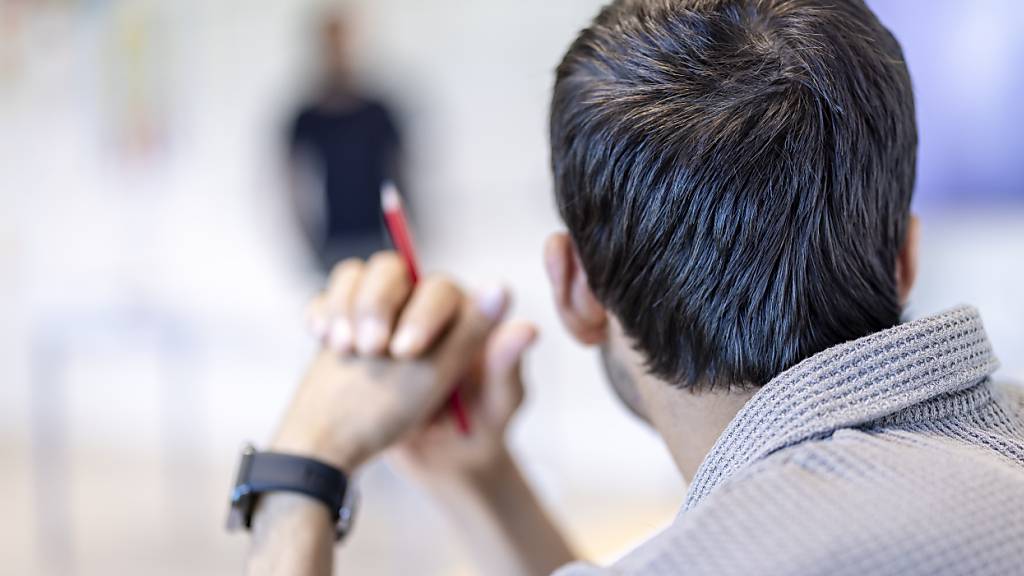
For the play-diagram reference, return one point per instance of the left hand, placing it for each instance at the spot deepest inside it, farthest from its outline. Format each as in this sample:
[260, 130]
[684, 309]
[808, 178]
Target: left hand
[492, 392]
[350, 408]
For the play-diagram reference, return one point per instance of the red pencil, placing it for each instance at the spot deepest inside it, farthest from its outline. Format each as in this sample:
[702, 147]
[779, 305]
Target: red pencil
[398, 229]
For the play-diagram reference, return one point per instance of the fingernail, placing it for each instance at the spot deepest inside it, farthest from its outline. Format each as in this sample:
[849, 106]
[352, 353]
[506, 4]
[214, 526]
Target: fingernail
[340, 335]
[316, 325]
[372, 335]
[491, 301]
[404, 340]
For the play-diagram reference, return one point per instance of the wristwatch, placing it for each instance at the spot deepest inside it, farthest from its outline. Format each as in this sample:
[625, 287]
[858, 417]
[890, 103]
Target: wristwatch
[262, 472]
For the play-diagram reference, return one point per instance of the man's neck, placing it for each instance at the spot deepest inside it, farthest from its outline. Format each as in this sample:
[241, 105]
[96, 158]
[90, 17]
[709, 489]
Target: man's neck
[689, 422]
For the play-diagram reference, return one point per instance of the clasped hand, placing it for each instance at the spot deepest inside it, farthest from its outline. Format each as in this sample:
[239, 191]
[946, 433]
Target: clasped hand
[391, 355]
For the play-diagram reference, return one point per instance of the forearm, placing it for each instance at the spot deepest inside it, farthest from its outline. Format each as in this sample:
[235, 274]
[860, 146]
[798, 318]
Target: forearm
[504, 525]
[292, 535]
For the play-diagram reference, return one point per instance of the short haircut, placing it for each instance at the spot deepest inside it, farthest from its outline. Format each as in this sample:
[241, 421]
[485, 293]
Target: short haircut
[736, 177]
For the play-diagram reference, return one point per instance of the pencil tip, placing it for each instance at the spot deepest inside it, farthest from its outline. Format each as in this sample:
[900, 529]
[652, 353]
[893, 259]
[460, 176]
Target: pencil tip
[389, 198]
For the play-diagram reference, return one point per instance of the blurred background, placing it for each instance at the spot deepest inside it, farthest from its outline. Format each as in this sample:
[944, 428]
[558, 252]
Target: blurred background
[153, 274]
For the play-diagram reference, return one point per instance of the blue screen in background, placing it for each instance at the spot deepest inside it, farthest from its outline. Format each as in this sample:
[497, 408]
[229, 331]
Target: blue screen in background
[967, 63]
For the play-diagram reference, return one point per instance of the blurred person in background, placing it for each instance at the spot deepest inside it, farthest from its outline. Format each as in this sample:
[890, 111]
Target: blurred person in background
[342, 146]
[736, 178]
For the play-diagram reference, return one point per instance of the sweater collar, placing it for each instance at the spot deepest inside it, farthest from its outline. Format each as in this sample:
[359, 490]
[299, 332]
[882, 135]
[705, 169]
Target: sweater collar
[849, 385]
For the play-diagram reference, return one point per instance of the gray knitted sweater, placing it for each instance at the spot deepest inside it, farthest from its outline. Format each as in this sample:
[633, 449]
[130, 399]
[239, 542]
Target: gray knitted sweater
[892, 454]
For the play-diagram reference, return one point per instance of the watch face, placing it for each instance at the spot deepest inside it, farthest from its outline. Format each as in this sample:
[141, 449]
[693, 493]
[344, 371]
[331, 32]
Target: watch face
[347, 512]
[242, 498]
[240, 513]
[236, 518]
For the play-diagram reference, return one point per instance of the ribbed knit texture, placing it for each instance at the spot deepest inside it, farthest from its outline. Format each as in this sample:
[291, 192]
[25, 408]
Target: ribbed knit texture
[892, 454]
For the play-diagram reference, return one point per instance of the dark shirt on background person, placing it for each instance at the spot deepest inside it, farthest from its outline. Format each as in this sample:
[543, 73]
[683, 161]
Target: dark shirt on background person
[354, 147]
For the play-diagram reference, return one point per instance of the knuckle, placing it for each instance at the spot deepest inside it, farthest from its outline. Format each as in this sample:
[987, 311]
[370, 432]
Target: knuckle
[371, 301]
[385, 258]
[441, 283]
[382, 299]
[347, 266]
[389, 268]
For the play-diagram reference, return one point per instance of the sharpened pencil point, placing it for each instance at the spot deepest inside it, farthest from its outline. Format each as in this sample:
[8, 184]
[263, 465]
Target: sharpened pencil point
[390, 200]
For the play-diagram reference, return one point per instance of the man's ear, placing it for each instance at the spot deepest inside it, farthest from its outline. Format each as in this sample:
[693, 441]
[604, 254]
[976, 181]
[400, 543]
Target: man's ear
[579, 309]
[906, 262]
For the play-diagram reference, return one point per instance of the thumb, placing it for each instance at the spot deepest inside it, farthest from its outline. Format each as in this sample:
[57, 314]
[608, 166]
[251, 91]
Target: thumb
[476, 320]
[502, 377]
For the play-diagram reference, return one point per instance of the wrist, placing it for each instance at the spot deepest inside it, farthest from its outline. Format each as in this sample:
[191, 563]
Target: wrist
[275, 508]
[291, 533]
[496, 482]
[315, 425]
[481, 480]
[341, 452]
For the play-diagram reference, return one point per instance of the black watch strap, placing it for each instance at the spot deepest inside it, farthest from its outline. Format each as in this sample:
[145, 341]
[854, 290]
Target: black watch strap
[261, 472]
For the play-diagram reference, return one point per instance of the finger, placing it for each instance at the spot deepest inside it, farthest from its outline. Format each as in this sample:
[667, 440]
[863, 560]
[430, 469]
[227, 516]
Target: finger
[477, 318]
[503, 390]
[431, 309]
[339, 300]
[382, 292]
[317, 317]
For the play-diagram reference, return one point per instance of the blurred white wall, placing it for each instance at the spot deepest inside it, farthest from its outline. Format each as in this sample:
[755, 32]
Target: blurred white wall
[156, 288]
[151, 300]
